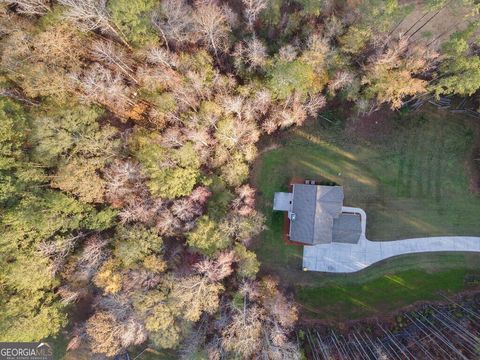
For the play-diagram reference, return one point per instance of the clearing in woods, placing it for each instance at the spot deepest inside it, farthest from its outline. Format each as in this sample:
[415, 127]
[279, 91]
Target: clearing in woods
[430, 23]
[412, 180]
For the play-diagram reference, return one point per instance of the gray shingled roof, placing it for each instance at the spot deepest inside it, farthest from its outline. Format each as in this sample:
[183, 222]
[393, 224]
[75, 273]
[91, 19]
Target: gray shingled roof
[347, 228]
[315, 208]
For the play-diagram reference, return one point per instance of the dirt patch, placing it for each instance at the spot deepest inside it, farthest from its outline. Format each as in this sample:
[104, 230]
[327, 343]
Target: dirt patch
[374, 127]
[430, 27]
[83, 307]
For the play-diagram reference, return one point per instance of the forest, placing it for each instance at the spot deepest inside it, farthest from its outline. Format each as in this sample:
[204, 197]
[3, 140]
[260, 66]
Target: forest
[128, 129]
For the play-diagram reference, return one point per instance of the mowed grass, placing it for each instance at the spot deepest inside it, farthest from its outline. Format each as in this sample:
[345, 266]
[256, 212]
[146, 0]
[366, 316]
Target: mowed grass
[388, 289]
[412, 183]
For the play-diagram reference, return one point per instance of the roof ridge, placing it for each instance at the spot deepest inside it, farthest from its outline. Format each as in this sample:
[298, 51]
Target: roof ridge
[314, 215]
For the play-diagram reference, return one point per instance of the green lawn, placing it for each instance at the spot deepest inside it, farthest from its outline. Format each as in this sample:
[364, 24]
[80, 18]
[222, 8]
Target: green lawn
[412, 183]
[387, 290]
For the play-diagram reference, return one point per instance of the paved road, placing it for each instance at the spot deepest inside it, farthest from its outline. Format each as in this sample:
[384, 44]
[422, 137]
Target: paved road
[345, 258]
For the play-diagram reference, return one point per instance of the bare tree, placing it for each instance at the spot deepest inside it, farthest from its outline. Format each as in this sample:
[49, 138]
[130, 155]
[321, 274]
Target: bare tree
[201, 138]
[239, 134]
[252, 9]
[238, 55]
[276, 345]
[139, 280]
[249, 289]
[167, 223]
[211, 24]
[158, 55]
[219, 268]
[90, 15]
[281, 309]
[172, 137]
[68, 295]
[294, 114]
[155, 78]
[185, 209]
[17, 95]
[281, 316]
[119, 305]
[341, 79]
[333, 27]
[233, 105]
[314, 103]
[244, 203]
[232, 17]
[58, 250]
[78, 336]
[94, 253]
[103, 86]
[317, 43]
[124, 180]
[61, 247]
[194, 341]
[133, 332]
[200, 84]
[175, 21]
[287, 53]
[251, 111]
[31, 7]
[187, 97]
[200, 194]
[243, 334]
[193, 295]
[256, 53]
[106, 52]
[243, 228]
[139, 210]
[262, 101]
[270, 125]
[246, 192]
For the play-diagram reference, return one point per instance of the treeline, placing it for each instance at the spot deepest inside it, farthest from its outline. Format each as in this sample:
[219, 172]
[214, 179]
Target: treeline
[127, 129]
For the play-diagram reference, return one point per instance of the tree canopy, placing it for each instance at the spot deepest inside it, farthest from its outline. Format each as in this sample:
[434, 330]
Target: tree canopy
[128, 134]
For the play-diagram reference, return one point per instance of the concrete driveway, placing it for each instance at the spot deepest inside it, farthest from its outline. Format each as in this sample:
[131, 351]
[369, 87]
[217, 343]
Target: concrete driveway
[345, 258]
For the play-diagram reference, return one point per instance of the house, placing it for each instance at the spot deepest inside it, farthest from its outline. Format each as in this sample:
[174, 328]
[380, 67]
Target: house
[334, 235]
[317, 216]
